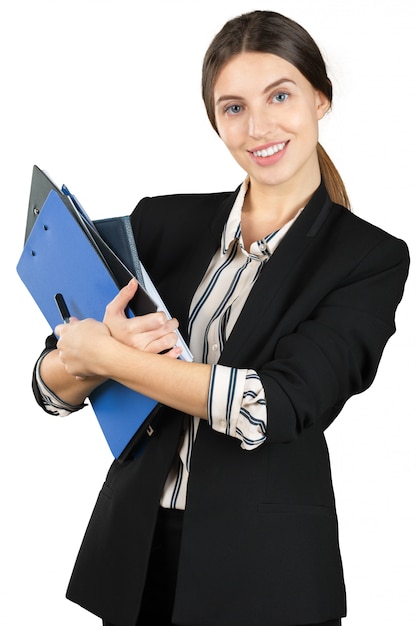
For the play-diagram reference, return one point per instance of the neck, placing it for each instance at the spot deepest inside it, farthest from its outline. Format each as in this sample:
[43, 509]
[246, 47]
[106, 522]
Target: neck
[267, 209]
[278, 204]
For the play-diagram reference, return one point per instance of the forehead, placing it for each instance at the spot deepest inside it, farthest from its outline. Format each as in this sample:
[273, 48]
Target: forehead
[254, 71]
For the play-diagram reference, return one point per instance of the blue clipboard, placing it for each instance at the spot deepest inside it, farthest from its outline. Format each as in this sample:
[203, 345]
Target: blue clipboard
[60, 257]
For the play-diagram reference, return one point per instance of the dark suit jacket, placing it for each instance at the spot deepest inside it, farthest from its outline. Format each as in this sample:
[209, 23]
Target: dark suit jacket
[260, 540]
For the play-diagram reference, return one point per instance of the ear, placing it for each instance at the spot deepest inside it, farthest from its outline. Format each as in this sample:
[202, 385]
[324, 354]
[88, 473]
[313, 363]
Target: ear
[322, 104]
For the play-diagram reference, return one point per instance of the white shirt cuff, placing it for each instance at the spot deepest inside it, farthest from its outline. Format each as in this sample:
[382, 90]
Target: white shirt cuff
[237, 406]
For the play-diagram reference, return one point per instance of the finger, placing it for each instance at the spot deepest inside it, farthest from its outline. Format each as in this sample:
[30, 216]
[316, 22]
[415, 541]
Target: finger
[161, 344]
[156, 339]
[147, 328]
[155, 323]
[58, 329]
[174, 353]
[119, 303]
[61, 327]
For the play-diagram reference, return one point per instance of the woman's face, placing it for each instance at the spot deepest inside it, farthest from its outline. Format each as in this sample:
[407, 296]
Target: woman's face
[267, 114]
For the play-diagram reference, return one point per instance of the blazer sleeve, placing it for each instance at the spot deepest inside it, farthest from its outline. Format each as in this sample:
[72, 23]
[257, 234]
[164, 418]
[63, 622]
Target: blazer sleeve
[335, 352]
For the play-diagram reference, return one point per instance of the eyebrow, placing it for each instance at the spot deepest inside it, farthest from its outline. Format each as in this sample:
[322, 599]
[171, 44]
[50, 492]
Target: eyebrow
[276, 83]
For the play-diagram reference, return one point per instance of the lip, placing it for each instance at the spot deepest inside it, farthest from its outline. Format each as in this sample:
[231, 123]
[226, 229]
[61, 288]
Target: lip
[273, 158]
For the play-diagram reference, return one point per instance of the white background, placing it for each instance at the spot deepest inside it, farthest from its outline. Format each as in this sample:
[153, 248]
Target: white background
[105, 96]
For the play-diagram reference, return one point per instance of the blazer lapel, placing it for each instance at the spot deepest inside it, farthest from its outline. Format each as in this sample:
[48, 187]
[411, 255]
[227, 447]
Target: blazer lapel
[208, 243]
[275, 274]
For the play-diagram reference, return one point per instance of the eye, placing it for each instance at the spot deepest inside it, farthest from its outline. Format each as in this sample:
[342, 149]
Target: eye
[233, 109]
[280, 97]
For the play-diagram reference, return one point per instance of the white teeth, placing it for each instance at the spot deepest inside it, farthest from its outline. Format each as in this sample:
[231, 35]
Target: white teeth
[270, 151]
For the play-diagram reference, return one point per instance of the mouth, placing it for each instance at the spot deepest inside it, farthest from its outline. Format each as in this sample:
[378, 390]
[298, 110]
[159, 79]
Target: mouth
[270, 151]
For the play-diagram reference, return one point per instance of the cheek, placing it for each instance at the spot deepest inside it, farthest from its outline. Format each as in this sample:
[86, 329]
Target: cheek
[306, 123]
[227, 134]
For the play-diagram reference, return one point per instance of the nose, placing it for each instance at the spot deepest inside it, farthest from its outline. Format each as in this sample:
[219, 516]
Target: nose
[260, 123]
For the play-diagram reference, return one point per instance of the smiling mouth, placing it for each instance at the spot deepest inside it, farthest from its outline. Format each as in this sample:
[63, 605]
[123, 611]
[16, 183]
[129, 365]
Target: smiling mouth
[270, 151]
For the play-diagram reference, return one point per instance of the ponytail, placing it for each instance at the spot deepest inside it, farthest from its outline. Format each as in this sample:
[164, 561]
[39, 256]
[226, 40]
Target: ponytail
[332, 179]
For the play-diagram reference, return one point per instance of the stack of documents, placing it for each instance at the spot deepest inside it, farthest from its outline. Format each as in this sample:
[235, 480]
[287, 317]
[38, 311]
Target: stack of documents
[88, 262]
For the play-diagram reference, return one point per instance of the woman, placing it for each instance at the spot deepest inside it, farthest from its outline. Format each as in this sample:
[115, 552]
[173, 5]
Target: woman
[287, 300]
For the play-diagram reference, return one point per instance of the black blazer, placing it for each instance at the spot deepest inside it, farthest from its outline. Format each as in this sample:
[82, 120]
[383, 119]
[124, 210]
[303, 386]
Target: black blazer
[260, 540]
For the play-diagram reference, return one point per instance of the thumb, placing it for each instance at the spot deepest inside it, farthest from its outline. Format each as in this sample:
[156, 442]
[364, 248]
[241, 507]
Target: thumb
[118, 305]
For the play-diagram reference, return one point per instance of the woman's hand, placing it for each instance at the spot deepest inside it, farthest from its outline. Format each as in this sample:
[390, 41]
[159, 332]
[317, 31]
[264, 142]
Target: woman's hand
[127, 350]
[80, 345]
[151, 333]
[84, 346]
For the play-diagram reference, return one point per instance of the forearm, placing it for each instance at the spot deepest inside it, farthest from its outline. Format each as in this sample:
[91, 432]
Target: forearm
[139, 353]
[174, 382]
[64, 385]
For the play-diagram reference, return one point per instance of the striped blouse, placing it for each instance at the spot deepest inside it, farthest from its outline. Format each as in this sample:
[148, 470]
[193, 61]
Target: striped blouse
[236, 399]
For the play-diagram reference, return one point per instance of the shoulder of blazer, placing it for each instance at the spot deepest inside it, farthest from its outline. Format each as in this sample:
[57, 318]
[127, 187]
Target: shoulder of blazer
[334, 224]
[357, 238]
[200, 210]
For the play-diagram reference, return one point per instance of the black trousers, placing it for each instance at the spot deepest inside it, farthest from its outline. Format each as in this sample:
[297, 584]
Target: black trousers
[159, 592]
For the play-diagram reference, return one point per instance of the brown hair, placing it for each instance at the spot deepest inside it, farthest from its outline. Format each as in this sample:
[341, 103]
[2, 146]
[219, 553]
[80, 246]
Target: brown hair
[267, 31]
